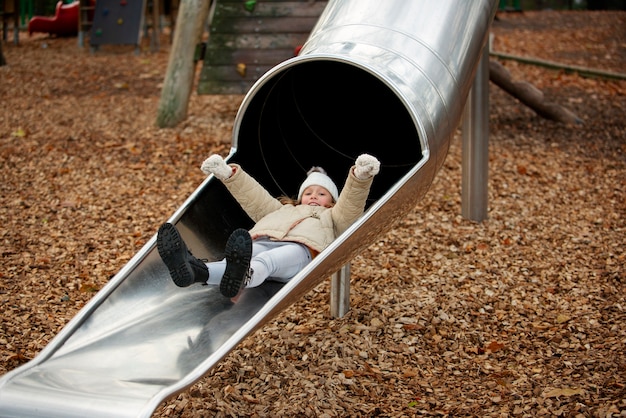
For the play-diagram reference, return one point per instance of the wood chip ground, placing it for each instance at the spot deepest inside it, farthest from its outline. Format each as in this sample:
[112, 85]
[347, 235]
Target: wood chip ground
[523, 314]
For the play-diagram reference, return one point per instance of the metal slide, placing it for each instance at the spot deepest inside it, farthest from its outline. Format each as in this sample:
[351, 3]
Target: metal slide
[385, 77]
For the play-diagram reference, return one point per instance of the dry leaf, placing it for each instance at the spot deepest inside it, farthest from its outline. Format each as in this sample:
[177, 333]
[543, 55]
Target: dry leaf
[555, 393]
[494, 346]
[562, 318]
[19, 133]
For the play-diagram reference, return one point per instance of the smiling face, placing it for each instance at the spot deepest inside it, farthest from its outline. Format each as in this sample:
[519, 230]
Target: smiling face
[317, 196]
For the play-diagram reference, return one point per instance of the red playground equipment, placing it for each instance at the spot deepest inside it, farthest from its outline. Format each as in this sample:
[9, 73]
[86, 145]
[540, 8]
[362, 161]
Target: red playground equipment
[64, 22]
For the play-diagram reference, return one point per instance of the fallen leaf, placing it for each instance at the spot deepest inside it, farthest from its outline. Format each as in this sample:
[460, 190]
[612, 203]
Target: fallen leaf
[19, 133]
[250, 398]
[562, 318]
[555, 393]
[88, 287]
[494, 346]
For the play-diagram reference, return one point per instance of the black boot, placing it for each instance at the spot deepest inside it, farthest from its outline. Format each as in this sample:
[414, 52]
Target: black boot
[184, 268]
[238, 253]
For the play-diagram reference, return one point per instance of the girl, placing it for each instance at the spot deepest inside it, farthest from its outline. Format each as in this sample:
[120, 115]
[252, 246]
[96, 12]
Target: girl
[287, 234]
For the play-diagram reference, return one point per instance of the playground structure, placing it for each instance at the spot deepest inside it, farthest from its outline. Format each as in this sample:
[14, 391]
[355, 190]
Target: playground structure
[246, 42]
[369, 71]
[64, 22]
[116, 22]
[121, 22]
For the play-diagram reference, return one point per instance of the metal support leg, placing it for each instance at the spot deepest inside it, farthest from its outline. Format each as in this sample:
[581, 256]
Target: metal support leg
[340, 292]
[475, 156]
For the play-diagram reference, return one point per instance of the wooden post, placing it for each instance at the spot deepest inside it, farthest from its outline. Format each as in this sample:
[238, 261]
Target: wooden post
[2, 60]
[156, 27]
[192, 16]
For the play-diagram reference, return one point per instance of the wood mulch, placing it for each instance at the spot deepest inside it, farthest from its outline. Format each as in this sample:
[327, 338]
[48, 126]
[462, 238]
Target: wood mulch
[520, 315]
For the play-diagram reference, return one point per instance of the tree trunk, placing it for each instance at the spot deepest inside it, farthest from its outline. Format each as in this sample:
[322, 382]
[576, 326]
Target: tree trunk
[530, 96]
[192, 16]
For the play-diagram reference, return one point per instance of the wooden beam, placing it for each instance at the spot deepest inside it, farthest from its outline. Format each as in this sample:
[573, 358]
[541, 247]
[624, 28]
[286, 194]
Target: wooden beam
[529, 95]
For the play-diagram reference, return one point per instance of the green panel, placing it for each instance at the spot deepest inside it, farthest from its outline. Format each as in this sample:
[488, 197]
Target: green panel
[255, 39]
[230, 72]
[264, 25]
[271, 9]
[223, 87]
[247, 56]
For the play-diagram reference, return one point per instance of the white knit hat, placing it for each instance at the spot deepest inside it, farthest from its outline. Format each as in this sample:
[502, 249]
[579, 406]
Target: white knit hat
[317, 176]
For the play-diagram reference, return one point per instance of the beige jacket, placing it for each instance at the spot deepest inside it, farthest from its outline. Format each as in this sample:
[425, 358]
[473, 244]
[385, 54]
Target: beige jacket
[314, 226]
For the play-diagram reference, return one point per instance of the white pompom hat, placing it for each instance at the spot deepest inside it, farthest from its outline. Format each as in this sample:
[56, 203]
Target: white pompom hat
[317, 176]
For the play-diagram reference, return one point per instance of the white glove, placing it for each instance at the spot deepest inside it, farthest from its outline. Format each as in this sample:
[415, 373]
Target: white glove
[366, 166]
[216, 165]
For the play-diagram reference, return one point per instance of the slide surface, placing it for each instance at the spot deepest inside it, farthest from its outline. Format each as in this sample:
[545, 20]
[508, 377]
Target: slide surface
[64, 22]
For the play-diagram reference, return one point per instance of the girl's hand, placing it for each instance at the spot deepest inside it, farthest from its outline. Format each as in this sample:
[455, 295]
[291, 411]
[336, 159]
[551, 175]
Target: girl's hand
[216, 165]
[366, 166]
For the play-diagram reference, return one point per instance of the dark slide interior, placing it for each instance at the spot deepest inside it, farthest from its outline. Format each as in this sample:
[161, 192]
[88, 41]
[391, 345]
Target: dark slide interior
[325, 113]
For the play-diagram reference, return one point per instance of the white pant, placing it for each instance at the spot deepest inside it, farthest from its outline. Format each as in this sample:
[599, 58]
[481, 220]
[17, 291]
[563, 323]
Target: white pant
[275, 260]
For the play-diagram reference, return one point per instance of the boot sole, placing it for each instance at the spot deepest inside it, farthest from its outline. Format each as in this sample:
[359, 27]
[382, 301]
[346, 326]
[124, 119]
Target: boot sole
[173, 252]
[238, 253]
